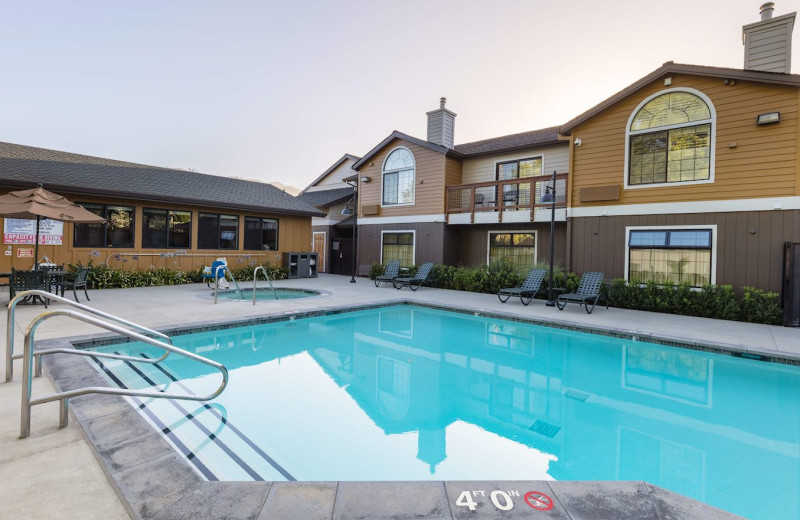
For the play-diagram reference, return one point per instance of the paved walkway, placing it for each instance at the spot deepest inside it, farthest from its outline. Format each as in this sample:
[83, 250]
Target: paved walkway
[59, 465]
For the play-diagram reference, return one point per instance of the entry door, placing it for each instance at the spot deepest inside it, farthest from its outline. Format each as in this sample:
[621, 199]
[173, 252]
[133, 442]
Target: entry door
[318, 246]
[341, 255]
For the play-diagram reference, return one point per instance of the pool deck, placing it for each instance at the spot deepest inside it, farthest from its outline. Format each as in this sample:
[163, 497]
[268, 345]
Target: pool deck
[61, 464]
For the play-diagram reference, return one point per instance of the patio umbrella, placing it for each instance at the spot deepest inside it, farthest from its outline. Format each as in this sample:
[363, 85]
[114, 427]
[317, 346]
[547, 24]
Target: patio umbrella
[38, 203]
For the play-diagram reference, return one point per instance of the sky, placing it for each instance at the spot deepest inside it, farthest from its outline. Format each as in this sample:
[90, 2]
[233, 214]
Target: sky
[278, 91]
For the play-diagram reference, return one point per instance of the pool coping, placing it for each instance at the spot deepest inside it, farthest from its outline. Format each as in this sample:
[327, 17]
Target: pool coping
[154, 481]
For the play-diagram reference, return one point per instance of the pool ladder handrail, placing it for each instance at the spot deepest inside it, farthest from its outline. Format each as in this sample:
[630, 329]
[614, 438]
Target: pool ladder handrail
[255, 279]
[63, 397]
[224, 267]
[10, 322]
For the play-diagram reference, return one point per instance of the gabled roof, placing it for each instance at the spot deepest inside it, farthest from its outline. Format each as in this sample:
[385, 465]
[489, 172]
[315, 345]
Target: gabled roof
[510, 143]
[63, 172]
[326, 198]
[669, 67]
[405, 137]
[329, 170]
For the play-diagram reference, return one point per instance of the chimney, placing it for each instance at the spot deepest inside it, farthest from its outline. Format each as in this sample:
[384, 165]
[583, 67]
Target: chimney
[768, 43]
[441, 125]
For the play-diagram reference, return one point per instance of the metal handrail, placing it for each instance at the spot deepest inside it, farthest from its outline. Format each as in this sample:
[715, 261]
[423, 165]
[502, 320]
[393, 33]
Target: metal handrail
[10, 357]
[255, 279]
[216, 281]
[63, 397]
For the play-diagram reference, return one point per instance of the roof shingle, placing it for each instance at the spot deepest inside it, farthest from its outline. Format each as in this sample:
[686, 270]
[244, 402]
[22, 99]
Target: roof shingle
[511, 142]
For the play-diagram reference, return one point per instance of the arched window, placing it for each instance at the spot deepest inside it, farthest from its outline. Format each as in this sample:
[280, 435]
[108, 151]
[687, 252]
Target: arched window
[398, 177]
[671, 139]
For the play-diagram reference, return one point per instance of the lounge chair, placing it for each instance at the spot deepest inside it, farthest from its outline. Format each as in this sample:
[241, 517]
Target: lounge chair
[588, 292]
[392, 271]
[76, 280]
[530, 286]
[414, 282]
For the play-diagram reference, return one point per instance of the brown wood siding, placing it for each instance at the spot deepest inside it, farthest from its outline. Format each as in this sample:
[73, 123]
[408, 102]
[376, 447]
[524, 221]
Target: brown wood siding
[294, 234]
[452, 171]
[429, 182]
[473, 242]
[743, 258]
[429, 241]
[763, 164]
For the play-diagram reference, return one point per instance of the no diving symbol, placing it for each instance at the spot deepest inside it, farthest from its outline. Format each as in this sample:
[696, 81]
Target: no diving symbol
[539, 501]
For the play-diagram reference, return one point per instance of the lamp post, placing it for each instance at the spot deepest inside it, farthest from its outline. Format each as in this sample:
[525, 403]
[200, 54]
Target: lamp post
[549, 197]
[350, 208]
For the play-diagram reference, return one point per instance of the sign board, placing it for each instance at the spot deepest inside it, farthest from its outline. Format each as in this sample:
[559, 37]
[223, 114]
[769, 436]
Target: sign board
[19, 231]
[25, 253]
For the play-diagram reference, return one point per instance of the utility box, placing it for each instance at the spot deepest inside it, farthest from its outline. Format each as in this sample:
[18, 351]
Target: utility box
[790, 295]
[301, 265]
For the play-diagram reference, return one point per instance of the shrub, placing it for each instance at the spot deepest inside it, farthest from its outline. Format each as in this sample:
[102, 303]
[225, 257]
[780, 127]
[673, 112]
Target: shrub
[758, 306]
[104, 277]
[376, 270]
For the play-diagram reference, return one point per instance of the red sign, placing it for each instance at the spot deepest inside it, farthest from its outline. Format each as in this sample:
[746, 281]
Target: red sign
[24, 253]
[539, 501]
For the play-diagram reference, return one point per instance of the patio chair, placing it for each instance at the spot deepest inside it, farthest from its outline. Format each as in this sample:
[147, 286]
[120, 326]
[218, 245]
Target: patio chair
[414, 282]
[511, 197]
[76, 280]
[210, 273]
[28, 281]
[392, 271]
[530, 286]
[588, 292]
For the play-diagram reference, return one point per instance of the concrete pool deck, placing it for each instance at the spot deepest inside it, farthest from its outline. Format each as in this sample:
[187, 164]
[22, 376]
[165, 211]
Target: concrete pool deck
[63, 465]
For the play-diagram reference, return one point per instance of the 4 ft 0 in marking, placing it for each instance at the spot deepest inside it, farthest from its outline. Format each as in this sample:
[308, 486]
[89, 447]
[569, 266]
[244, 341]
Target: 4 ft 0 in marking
[503, 501]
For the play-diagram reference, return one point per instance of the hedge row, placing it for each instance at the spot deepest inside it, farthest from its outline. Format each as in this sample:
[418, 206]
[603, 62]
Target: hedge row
[710, 301]
[104, 277]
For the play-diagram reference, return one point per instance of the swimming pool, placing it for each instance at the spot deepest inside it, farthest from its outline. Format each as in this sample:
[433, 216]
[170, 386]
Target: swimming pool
[411, 393]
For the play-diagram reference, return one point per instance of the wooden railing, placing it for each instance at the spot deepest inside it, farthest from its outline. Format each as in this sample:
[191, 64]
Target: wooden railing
[505, 195]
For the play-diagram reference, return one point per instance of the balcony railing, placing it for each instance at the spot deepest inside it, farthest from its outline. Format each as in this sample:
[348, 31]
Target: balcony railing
[498, 197]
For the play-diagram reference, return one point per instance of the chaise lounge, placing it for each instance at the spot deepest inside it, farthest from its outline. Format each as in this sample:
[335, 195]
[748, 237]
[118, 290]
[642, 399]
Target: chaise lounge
[414, 282]
[392, 271]
[588, 291]
[530, 286]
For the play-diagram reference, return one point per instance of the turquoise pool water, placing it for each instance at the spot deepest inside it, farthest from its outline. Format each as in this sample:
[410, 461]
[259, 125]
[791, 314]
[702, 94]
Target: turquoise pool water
[267, 294]
[410, 393]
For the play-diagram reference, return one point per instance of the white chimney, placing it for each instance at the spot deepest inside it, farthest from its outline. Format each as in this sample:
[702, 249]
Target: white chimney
[441, 125]
[768, 43]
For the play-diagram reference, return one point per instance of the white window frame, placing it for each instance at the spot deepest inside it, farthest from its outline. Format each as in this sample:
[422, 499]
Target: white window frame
[414, 183]
[506, 231]
[413, 241]
[711, 145]
[677, 227]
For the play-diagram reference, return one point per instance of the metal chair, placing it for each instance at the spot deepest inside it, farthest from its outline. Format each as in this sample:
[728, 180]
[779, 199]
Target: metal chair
[530, 286]
[414, 282]
[588, 291]
[76, 280]
[392, 271]
[27, 281]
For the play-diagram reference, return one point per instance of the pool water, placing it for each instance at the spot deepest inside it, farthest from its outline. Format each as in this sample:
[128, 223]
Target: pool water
[280, 293]
[411, 393]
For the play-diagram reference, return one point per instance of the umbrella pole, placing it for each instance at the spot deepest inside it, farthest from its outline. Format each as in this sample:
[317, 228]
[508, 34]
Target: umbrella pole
[36, 246]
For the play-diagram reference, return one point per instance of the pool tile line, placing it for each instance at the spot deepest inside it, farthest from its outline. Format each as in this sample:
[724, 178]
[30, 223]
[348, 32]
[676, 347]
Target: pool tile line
[153, 481]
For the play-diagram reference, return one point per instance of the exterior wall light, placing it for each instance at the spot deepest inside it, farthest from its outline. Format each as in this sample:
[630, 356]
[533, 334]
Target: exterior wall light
[770, 118]
[365, 179]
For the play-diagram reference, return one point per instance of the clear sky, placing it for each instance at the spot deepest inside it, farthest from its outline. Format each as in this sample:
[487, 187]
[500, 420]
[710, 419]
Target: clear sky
[278, 91]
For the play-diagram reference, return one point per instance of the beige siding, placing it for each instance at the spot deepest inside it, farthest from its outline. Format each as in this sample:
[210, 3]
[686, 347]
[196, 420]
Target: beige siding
[452, 171]
[484, 169]
[762, 163]
[429, 181]
[335, 179]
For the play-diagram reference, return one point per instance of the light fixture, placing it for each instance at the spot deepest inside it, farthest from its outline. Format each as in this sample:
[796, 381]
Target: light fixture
[347, 211]
[770, 118]
[577, 141]
[365, 179]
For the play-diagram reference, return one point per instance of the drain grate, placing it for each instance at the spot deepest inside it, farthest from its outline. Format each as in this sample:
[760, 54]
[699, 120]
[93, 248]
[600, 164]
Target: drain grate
[545, 428]
[578, 396]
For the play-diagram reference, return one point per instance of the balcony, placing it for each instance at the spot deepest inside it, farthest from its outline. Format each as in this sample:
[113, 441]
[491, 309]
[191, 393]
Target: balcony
[506, 201]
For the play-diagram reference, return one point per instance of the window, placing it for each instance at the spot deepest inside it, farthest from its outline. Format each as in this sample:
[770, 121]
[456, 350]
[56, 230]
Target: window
[671, 140]
[398, 246]
[398, 178]
[116, 231]
[519, 248]
[519, 194]
[261, 233]
[166, 228]
[218, 231]
[671, 255]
